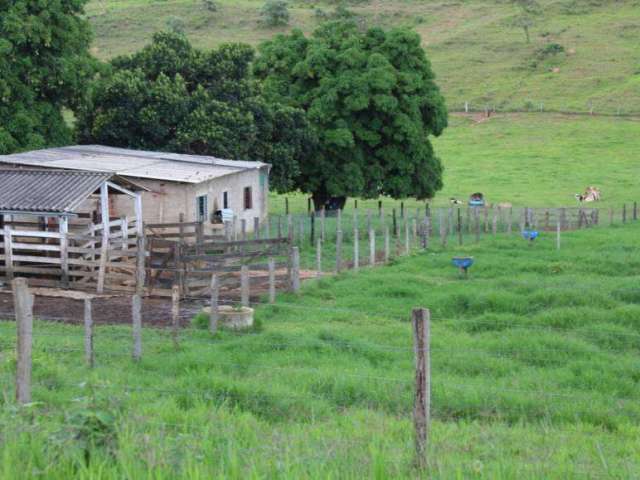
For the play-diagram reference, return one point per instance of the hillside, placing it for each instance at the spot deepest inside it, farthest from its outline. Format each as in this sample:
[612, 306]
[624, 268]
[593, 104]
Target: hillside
[534, 364]
[477, 53]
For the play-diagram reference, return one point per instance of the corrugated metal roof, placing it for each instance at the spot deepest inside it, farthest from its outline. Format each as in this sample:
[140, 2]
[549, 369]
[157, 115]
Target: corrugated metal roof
[132, 163]
[47, 190]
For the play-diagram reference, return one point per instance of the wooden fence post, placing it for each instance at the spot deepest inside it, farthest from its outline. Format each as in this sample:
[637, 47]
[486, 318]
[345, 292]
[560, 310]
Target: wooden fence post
[624, 213]
[407, 238]
[104, 248]
[23, 306]
[175, 314]
[63, 228]
[395, 222]
[494, 223]
[322, 224]
[286, 205]
[459, 227]
[558, 231]
[635, 210]
[295, 270]
[319, 257]
[372, 247]
[387, 246]
[88, 333]
[312, 228]
[140, 264]
[443, 229]
[510, 221]
[136, 314]
[214, 313]
[476, 215]
[356, 248]
[422, 402]
[244, 286]
[301, 229]
[272, 280]
[8, 253]
[338, 251]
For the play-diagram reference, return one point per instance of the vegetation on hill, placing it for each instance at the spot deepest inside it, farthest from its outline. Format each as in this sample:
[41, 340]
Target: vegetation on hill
[477, 49]
[535, 375]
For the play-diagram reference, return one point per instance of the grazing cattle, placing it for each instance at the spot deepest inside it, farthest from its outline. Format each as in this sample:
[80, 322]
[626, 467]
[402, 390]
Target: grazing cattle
[455, 201]
[591, 194]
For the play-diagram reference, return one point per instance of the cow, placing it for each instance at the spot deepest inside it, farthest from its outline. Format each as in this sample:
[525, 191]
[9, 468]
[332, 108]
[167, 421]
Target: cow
[591, 194]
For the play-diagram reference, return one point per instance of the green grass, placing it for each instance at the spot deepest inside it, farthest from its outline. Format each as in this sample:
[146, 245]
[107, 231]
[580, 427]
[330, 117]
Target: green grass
[535, 375]
[529, 160]
[476, 52]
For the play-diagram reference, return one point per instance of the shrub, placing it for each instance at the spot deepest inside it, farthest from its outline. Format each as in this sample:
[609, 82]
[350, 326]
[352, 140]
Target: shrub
[275, 13]
[211, 5]
[175, 24]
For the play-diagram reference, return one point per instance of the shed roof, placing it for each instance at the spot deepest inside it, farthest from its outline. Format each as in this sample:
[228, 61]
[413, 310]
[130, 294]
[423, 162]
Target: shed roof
[51, 191]
[132, 163]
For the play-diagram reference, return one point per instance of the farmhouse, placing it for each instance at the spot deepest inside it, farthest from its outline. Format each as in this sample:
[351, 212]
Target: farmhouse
[172, 186]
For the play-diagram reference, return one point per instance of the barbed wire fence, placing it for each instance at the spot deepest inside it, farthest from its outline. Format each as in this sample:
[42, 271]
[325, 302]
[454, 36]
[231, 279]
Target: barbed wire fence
[414, 388]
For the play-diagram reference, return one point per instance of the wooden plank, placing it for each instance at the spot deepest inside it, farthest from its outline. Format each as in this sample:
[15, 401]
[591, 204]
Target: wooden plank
[35, 234]
[64, 254]
[422, 400]
[23, 306]
[171, 225]
[104, 211]
[214, 314]
[272, 280]
[8, 253]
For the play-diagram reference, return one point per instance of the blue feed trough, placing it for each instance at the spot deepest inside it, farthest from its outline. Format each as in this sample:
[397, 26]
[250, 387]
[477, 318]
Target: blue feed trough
[530, 235]
[463, 263]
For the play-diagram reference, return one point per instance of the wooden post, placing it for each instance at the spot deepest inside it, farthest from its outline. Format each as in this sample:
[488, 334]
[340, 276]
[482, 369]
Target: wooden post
[199, 238]
[243, 229]
[256, 228]
[380, 214]
[290, 232]
[558, 230]
[244, 285]
[23, 306]
[338, 251]
[319, 257]
[494, 223]
[272, 280]
[295, 269]
[286, 205]
[485, 211]
[339, 219]
[387, 246]
[322, 224]
[64, 250]
[624, 213]
[213, 313]
[476, 215]
[175, 314]
[136, 315]
[140, 264]
[635, 211]
[312, 234]
[422, 402]
[395, 223]
[279, 226]
[88, 333]
[356, 249]
[407, 238]
[368, 219]
[372, 247]
[510, 221]
[8, 253]
[443, 229]
[104, 250]
[459, 227]
[414, 227]
[301, 232]
[402, 210]
[137, 201]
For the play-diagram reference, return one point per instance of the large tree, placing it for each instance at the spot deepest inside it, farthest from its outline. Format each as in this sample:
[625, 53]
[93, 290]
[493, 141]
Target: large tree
[44, 64]
[171, 96]
[373, 102]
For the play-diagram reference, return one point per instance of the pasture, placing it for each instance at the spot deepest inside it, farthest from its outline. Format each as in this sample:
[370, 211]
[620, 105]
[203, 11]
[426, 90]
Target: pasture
[534, 362]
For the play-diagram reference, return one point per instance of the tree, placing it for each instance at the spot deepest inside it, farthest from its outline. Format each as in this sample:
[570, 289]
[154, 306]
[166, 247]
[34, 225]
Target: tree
[275, 13]
[373, 103]
[528, 11]
[172, 97]
[44, 63]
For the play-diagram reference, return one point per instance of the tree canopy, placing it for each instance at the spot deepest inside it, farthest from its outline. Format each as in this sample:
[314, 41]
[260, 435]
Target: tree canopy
[373, 102]
[170, 96]
[44, 64]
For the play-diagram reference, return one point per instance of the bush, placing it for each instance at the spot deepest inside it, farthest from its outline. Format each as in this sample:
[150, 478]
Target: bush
[175, 24]
[275, 13]
[211, 5]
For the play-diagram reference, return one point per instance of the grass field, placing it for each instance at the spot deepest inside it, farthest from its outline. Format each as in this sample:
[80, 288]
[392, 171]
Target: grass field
[530, 160]
[535, 375]
[477, 53]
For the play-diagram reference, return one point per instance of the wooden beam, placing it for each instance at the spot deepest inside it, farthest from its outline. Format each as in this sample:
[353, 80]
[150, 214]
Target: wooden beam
[64, 250]
[104, 251]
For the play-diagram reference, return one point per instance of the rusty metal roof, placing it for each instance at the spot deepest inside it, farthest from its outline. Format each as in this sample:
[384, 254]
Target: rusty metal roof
[51, 191]
[132, 163]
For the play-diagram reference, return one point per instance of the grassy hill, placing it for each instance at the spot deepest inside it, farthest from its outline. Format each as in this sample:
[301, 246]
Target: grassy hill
[535, 375]
[477, 53]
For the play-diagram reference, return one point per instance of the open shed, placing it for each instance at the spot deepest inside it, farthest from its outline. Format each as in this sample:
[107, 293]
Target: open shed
[56, 226]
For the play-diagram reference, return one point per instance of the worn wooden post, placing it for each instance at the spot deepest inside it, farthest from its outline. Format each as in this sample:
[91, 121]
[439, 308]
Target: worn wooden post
[558, 231]
[244, 285]
[338, 251]
[8, 253]
[301, 229]
[136, 315]
[402, 210]
[175, 314]
[356, 248]
[387, 245]
[459, 228]
[635, 211]
[312, 229]
[214, 314]
[380, 213]
[140, 264]
[64, 250]
[256, 228]
[372, 247]
[485, 212]
[407, 238]
[23, 306]
[272, 280]
[510, 221]
[295, 270]
[443, 229]
[319, 257]
[414, 228]
[450, 224]
[476, 215]
[104, 250]
[624, 213]
[322, 224]
[395, 222]
[88, 333]
[421, 318]
[427, 232]
[286, 205]
[338, 219]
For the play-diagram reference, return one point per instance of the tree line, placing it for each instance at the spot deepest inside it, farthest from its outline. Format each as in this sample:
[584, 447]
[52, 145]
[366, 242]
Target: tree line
[345, 111]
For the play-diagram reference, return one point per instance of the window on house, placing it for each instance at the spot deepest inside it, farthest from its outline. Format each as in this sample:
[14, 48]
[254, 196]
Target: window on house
[248, 198]
[225, 200]
[202, 208]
